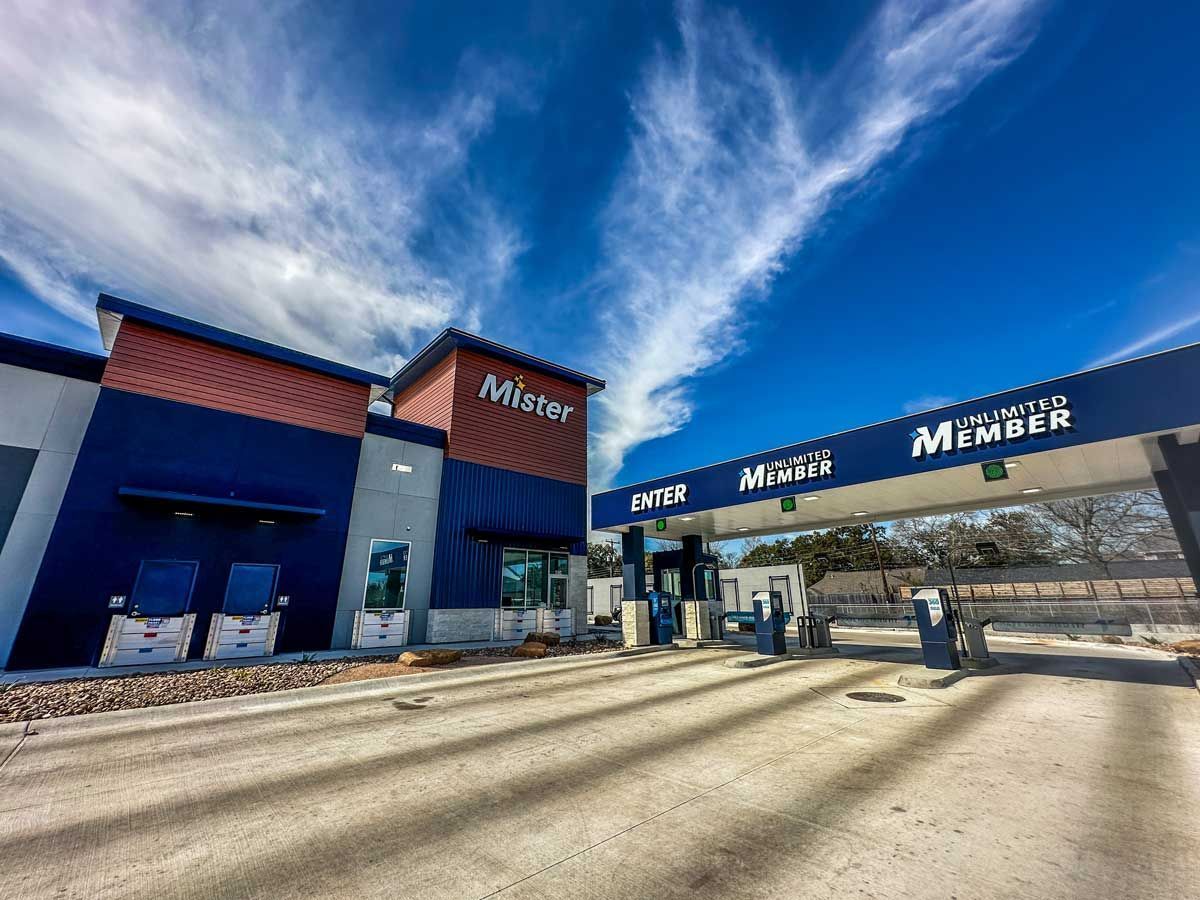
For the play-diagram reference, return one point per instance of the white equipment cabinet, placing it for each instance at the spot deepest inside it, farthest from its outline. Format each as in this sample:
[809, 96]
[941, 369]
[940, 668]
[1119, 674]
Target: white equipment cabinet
[381, 628]
[133, 640]
[514, 624]
[556, 621]
[234, 637]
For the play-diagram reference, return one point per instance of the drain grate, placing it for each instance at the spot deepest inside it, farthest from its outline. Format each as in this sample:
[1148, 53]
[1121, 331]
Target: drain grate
[875, 697]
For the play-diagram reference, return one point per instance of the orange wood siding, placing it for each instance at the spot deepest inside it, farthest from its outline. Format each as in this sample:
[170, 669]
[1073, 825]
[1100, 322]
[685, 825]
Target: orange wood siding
[430, 401]
[495, 435]
[160, 363]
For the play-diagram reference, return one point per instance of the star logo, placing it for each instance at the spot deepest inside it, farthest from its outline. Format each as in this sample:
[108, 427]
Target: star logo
[520, 380]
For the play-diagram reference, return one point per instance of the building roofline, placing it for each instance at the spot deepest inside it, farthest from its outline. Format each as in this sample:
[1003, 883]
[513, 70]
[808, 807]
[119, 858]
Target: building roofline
[454, 338]
[27, 353]
[111, 310]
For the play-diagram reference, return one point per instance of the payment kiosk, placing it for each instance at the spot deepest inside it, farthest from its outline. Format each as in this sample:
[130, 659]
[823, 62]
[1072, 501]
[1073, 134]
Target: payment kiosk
[935, 621]
[769, 623]
[153, 625]
[661, 622]
[247, 625]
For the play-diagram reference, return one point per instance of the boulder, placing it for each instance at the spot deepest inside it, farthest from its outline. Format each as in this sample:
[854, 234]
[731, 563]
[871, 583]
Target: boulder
[430, 657]
[603, 620]
[530, 650]
[549, 638]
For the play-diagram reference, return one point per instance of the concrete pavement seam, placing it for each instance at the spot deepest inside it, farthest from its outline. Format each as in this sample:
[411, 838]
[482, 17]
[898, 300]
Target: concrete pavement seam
[13, 751]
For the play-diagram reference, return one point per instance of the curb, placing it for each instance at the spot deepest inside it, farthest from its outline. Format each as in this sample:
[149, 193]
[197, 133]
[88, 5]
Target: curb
[195, 710]
[927, 681]
[756, 662]
[1192, 668]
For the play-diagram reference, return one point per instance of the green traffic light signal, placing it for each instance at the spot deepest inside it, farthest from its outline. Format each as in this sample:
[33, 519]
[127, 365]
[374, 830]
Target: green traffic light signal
[787, 504]
[660, 524]
[994, 471]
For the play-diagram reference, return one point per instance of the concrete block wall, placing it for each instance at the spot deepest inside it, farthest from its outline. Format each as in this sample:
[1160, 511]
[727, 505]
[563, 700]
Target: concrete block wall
[391, 505]
[48, 415]
[577, 591]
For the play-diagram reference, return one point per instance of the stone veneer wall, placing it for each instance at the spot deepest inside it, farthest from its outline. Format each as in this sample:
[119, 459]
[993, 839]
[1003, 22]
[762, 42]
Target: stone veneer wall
[452, 625]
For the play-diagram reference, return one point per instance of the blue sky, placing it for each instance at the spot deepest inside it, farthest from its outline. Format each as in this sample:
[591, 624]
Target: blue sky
[760, 223]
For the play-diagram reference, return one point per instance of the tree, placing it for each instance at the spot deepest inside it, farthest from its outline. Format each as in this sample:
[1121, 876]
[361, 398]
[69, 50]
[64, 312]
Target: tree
[1103, 529]
[847, 547]
[955, 538]
[604, 560]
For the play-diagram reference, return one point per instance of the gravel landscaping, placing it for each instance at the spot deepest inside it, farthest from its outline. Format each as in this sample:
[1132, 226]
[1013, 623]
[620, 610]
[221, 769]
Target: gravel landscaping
[72, 697]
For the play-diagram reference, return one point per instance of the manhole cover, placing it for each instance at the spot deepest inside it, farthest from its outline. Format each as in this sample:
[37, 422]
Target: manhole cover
[875, 697]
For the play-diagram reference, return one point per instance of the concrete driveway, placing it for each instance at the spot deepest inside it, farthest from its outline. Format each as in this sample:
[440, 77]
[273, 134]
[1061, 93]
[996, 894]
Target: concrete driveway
[666, 775]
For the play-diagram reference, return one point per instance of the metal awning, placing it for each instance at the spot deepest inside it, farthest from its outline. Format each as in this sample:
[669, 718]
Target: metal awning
[180, 498]
[525, 539]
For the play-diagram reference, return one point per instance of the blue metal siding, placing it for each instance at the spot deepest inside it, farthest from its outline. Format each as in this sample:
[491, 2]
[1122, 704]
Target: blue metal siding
[99, 539]
[540, 513]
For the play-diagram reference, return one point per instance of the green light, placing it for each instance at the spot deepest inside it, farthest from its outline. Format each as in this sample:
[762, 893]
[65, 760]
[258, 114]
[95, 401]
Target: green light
[787, 504]
[994, 471]
[660, 524]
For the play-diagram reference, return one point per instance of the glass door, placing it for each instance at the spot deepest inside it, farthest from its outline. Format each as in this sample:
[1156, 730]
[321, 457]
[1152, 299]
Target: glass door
[558, 591]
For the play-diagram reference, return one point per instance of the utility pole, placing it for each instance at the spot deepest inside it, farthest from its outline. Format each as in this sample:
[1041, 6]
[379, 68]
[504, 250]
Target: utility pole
[887, 594]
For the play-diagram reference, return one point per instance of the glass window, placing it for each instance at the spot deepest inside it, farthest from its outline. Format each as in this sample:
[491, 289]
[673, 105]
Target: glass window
[513, 587]
[527, 575]
[387, 575]
[163, 587]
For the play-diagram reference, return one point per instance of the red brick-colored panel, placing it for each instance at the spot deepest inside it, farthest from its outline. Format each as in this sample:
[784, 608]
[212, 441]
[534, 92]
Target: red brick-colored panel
[160, 363]
[430, 401]
[493, 434]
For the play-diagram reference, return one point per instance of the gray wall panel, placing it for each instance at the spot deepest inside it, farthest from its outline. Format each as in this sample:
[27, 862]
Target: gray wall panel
[389, 505]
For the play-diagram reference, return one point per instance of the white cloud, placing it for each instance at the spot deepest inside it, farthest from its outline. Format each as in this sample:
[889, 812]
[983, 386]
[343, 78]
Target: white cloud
[202, 163]
[929, 401]
[732, 166]
[1149, 341]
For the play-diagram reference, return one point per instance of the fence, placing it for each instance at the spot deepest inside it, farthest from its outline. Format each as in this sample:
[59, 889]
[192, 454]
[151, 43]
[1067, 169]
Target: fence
[1151, 612]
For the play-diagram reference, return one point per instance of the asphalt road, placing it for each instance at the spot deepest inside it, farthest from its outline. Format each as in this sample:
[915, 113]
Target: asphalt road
[1075, 773]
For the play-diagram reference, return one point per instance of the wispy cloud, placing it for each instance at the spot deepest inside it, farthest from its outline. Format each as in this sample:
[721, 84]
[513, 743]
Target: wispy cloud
[1151, 341]
[929, 401]
[201, 162]
[731, 168]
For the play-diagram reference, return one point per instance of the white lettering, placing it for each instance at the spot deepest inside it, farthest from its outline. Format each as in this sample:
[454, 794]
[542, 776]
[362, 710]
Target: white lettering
[512, 393]
[927, 443]
[644, 501]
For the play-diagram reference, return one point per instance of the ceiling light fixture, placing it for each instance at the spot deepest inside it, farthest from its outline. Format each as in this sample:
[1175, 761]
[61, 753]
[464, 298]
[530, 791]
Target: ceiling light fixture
[1031, 490]
[184, 515]
[1012, 465]
[686, 518]
[743, 528]
[861, 512]
[811, 497]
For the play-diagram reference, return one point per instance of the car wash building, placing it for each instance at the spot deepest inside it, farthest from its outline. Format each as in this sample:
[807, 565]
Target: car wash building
[202, 494]
[1129, 426]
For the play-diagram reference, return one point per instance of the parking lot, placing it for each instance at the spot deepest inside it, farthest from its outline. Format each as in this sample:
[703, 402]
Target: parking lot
[1070, 772]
